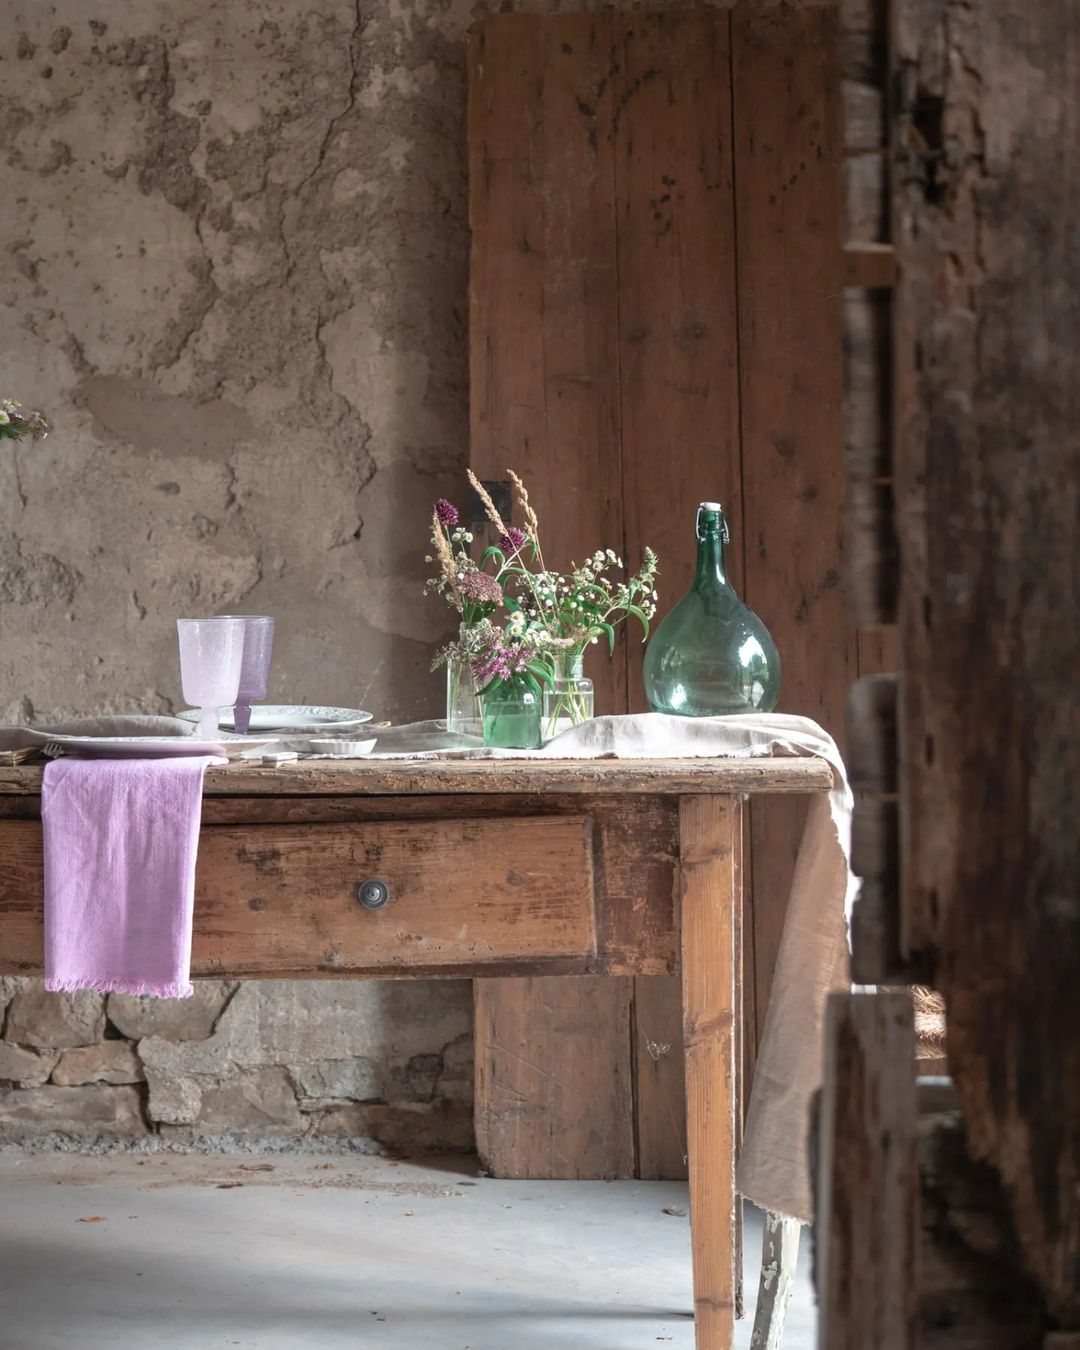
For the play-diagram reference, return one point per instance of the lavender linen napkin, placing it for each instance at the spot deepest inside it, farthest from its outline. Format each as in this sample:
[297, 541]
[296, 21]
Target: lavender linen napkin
[121, 836]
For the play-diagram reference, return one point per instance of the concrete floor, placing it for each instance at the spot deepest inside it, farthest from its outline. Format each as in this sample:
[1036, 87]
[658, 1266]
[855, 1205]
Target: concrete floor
[195, 1252]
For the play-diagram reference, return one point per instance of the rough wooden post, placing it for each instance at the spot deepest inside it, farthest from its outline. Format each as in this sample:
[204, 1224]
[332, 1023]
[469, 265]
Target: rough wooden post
[868, 1175]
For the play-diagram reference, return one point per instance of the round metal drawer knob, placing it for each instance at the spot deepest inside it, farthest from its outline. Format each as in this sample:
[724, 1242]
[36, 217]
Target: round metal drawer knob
[373, 894]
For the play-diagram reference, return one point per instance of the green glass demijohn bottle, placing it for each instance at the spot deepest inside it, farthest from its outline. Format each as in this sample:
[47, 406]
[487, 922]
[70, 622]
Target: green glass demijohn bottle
[711, 655]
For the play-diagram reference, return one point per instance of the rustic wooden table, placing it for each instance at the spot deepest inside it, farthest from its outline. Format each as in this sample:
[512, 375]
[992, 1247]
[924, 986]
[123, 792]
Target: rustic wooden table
[416, 869]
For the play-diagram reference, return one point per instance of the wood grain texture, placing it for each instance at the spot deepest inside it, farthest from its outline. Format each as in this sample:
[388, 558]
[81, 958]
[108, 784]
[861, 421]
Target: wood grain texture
[987, 232]
[867, 1200]
[679, 395]
[283, 898]
[314, 778]
[973, 1290]
[566, 1115]
[790, 274]
[708, 831]
[543, 281]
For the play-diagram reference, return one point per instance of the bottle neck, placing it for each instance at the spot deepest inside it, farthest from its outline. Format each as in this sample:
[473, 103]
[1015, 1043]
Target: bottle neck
[711, 534]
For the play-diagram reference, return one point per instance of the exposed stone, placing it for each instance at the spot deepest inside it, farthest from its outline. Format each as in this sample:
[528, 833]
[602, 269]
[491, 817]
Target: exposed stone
[8, 986]
[260, 1102]
[28, 1068]
[55, 1021]
[286, 1022]
[173, 1101]
[108, 1062]
[93, 1112]
[338, 1079]
[456, 1081]
[175, 1019]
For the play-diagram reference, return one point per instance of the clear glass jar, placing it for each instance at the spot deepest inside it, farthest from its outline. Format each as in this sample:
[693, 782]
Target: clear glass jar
[463, 713]
[712, 654]
[511, 716]
[569, 700]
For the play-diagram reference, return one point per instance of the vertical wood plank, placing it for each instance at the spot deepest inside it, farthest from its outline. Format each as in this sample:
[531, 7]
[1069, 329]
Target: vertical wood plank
[790, 281]
[678, 375]
[558, 1105]
[708, 827]
[545, 402]
[867, 1205]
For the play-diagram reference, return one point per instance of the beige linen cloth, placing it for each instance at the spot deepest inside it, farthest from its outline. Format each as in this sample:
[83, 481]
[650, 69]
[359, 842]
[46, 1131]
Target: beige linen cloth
[774, 1167]
[108, 724]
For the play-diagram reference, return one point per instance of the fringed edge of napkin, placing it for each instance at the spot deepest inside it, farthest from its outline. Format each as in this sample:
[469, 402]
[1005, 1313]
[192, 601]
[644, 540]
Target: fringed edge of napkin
[139, 988]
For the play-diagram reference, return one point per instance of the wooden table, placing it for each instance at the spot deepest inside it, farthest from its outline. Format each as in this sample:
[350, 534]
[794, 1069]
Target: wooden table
[416, 869]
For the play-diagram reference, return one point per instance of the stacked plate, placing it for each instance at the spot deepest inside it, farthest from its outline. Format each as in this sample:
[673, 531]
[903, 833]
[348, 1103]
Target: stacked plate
[304, 729]
[276, 719]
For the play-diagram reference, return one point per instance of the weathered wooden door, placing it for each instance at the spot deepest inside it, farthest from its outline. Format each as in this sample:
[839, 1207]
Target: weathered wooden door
[950, 1214]
[655, 319]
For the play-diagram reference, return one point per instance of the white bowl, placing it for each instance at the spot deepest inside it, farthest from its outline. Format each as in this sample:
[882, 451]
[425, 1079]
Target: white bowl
[341, 749]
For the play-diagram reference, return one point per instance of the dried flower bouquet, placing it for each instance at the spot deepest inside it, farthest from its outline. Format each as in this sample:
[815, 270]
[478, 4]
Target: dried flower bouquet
[521, 621]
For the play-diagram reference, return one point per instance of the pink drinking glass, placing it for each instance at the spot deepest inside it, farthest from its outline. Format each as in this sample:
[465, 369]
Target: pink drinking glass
[211, 656]
[255, 668]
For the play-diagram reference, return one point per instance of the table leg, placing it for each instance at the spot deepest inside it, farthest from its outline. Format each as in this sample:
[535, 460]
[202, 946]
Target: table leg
[708, 829]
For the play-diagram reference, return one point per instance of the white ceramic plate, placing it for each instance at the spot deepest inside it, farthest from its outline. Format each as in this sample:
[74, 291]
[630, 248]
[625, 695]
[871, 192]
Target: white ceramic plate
[143, 747]
[311, 718]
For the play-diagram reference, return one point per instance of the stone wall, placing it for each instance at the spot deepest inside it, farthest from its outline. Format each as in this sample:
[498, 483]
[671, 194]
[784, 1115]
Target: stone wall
[256, 1063]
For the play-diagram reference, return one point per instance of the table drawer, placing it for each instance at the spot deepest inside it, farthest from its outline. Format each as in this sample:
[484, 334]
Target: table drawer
[283, 899]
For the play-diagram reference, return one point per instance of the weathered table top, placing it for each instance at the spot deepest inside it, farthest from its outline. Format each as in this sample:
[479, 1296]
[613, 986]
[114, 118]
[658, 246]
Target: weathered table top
[407, 777]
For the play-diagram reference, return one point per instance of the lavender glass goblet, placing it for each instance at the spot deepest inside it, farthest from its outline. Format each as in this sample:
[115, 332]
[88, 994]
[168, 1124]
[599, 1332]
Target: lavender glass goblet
[211, 655]
[255, 669]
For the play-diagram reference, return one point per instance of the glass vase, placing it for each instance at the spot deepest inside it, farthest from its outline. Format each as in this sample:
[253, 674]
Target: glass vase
[511, 716]
[569, 700]
[463, 713]
[712, 654]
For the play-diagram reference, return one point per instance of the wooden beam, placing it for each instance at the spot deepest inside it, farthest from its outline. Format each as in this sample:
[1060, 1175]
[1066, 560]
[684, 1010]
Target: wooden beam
[867, 1175]
[987, 233]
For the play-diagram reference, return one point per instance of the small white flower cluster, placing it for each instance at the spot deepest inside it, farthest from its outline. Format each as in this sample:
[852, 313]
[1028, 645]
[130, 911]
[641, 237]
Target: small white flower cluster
[461, 536]
[16, 425]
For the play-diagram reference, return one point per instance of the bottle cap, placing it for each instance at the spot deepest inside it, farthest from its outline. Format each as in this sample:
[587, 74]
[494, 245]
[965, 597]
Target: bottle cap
[710, 506]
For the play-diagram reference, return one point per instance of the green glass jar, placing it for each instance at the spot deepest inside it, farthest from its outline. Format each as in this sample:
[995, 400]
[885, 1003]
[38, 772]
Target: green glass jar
[511, 716]
[711, 655]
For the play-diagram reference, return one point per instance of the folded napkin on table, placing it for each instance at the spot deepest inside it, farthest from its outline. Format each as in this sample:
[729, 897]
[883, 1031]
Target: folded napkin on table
[121, 836]
[773, 1169]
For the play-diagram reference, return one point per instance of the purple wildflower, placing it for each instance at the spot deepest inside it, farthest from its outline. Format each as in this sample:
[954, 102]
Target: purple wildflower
[502, 660]
[479, 586]
[513, 540]
[446, 512]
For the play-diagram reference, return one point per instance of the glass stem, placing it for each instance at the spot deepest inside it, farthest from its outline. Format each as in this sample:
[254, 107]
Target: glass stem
[208, 724]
